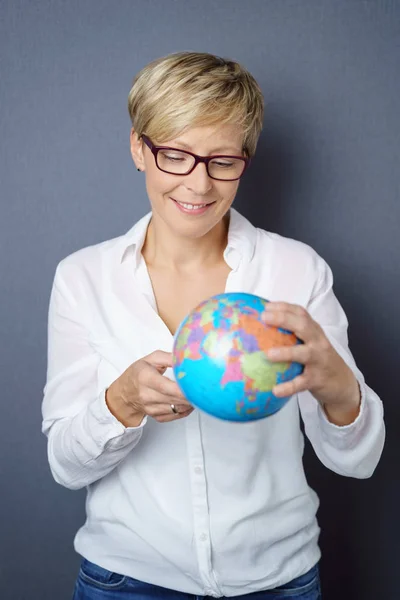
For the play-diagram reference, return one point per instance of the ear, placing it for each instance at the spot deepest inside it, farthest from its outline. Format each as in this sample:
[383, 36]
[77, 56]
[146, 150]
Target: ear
[137, 150]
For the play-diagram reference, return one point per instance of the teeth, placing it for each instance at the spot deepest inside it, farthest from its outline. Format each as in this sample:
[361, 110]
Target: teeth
[192, 206]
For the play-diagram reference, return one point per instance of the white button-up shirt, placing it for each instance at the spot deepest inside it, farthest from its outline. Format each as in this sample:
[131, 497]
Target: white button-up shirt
[199, 505]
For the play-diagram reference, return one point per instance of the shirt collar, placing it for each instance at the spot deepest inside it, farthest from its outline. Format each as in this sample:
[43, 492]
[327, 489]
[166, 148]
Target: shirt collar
[241, 240]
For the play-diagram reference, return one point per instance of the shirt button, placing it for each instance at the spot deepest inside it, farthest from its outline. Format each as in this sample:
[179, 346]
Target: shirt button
[203, 537]
[198, 470]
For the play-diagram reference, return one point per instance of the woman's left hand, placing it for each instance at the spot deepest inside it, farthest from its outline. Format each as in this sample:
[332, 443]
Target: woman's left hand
[325, 375]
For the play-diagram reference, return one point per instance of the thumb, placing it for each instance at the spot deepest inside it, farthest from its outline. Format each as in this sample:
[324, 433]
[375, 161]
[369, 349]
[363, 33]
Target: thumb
[160, 360]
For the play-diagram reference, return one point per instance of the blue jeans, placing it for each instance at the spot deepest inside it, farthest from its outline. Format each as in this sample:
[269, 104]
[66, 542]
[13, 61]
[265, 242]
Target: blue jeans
[96, 583]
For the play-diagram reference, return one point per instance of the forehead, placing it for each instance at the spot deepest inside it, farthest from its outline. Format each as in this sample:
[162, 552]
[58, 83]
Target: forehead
[224, 139]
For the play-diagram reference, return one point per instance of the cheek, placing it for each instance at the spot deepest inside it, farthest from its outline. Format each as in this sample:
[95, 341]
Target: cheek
[227, 191]
[157, 182]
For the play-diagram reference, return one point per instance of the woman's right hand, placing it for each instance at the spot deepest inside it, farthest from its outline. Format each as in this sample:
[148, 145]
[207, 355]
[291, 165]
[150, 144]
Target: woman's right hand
[143, 390]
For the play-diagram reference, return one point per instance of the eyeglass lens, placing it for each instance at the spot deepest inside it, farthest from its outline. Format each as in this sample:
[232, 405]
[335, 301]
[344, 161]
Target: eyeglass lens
[180, 163]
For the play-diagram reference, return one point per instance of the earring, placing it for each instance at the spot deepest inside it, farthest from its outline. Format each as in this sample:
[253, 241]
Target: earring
[139, 169]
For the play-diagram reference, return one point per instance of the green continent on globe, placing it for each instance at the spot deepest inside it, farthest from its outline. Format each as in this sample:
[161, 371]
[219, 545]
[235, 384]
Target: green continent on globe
[210, 343]
[183, 338]
[261, 372]
[207, 317]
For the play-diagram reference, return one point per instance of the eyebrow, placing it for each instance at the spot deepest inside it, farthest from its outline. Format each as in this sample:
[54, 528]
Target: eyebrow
[220, 150]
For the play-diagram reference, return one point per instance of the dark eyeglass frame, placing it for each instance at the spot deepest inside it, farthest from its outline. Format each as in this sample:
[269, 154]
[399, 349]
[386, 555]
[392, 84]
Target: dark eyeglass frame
[197, 159]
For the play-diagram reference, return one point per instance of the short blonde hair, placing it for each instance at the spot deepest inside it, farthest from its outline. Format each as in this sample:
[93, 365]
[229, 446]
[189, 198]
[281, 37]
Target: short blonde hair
[194, 89]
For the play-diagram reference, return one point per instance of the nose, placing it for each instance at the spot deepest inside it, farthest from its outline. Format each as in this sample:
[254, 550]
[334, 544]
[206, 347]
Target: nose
[198, 180]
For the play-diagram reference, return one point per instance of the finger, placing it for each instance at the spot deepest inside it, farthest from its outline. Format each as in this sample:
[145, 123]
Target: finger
[284, 306]
[175, 409]
[159, 359]
[297, 385]
[152, 379]
[170, 388]
[158, 401]
[167, 418]
[162, 410]
[297, 321]
[302, 353]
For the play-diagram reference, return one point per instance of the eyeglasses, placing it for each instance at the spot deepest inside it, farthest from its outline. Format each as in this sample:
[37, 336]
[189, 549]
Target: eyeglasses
[180, 162]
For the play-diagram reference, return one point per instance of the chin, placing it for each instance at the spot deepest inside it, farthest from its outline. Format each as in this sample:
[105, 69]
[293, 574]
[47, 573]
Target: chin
[184, 229]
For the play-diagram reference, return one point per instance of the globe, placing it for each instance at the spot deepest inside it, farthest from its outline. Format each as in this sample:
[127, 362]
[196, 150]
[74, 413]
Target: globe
[220, 362]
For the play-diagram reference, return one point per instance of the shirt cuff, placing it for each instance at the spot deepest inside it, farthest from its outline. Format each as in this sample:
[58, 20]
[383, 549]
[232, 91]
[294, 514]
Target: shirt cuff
[107, 430]
[345, 435]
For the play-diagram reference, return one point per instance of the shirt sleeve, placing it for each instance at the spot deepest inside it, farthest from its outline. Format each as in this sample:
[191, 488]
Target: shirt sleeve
[352, 450]
[85, 441]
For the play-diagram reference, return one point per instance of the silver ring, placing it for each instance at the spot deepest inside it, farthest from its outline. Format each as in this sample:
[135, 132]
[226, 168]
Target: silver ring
[173, 409]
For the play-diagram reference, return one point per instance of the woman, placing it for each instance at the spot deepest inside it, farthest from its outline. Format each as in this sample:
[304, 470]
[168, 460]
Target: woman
[180, 503]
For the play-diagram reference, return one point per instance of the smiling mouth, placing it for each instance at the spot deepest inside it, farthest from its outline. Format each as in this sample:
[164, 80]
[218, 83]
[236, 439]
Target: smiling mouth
[194, 207]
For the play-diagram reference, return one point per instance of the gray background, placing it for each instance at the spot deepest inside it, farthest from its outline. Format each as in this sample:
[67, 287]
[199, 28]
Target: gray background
[326, 172]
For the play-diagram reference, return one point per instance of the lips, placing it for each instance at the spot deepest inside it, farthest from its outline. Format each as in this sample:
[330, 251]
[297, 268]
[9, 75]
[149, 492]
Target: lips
[190, 204]
[192, 209]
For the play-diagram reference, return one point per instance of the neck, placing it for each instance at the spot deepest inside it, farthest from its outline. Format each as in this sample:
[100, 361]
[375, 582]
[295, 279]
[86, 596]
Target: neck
[164, 249]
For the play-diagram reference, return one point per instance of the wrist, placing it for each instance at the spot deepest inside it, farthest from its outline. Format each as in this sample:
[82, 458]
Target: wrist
[120, 409]
[345, 412]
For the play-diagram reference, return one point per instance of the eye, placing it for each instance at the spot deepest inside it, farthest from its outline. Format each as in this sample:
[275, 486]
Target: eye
[222, 164]
[174, 157]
